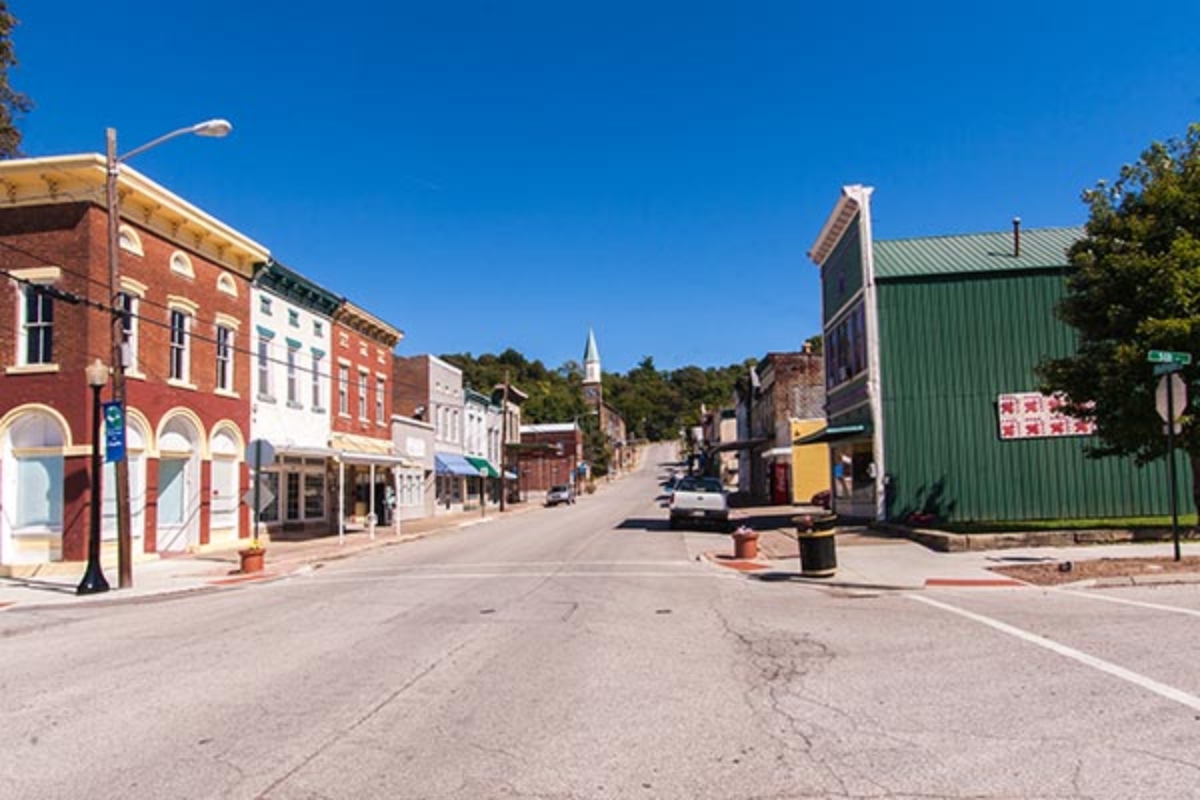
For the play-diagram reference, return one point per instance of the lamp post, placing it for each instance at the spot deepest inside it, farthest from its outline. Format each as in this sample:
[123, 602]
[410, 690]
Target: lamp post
[93, 579]
[214, 128]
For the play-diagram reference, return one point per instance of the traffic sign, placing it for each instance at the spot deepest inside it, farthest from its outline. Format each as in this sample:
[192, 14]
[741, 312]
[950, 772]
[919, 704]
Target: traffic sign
[1168, 357]
[1174, 405]
[260, 453]
[262, 492]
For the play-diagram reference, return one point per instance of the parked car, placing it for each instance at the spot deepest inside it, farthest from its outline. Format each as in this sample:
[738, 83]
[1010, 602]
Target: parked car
[699, 500]
[561, 493]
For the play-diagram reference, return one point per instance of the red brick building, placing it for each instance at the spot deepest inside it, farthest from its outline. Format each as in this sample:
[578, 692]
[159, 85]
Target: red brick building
[548, 455]
[184, 285]
[362, 400]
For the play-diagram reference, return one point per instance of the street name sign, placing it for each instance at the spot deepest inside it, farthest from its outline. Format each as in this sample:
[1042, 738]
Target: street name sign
[1168, 357]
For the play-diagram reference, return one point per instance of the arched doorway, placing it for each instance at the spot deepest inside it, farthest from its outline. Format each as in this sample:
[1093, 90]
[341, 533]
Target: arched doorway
[226, 450]
[135, 452]
[31, 474]
[178, 485]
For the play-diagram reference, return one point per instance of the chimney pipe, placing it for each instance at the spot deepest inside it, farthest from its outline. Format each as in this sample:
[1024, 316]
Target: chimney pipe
[1016, 237]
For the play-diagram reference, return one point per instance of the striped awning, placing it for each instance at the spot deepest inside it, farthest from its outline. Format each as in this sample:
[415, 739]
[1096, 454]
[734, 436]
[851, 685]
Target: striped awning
[484, 466]
[454, 464]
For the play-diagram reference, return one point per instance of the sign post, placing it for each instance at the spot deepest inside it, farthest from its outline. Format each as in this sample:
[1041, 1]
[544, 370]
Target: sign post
[259, 452]
[1170, 402]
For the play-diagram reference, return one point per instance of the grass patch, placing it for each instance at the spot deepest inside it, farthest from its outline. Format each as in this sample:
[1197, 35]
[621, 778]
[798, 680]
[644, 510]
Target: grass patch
[1186, 522]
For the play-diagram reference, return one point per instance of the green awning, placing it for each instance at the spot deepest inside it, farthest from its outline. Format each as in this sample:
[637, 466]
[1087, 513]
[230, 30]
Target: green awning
[484, 466]
[834, 432]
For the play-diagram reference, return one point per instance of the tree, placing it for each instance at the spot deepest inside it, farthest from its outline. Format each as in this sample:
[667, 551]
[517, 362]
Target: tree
[12, 103]
[1135, 288]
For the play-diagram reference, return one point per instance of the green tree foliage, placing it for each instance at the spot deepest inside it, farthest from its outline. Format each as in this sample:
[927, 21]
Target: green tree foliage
[12, 103]
[1135, 288]
[655, 403]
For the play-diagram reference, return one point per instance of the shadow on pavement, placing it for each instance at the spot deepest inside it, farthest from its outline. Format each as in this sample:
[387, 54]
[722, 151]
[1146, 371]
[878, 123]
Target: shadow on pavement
[41, 586]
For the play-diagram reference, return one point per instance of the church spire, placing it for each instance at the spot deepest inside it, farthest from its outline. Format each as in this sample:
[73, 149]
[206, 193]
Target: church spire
[591, 360]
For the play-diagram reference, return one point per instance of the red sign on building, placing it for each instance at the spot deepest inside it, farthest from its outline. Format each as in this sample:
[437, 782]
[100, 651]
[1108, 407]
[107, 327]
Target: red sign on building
[1032, 415]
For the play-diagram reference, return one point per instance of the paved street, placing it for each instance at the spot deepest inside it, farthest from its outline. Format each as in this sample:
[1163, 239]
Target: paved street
[587, 651]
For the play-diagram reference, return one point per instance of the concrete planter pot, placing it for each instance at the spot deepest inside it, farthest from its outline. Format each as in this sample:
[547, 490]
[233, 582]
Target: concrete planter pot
[252, 559]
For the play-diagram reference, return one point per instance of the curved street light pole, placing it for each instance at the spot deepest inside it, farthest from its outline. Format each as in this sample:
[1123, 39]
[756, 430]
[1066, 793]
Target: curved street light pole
[213, 128]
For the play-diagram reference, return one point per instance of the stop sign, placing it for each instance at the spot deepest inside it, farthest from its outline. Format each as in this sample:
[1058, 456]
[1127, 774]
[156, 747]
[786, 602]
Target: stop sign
[1171, 382]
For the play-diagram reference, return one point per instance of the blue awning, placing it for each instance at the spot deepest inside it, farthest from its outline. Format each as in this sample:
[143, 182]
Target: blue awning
[454, 464]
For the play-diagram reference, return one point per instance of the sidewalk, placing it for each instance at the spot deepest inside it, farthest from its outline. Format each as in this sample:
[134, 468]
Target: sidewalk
[870, 559]
[217, 567]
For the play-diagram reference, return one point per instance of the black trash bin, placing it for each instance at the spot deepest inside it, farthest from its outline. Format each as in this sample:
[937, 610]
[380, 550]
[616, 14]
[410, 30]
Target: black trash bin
[818, 552]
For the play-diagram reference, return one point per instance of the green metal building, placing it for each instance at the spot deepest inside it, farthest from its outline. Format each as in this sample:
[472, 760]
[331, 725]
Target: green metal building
[932, 404]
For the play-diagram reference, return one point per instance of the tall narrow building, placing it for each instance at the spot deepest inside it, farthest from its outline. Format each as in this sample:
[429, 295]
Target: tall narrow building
[593, 392]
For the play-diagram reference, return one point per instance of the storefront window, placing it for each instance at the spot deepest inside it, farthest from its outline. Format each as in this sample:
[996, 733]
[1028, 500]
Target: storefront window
[314, 494]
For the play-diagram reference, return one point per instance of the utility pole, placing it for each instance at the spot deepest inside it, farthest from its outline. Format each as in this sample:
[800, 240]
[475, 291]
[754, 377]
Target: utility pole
[504, 445]
[119, 315]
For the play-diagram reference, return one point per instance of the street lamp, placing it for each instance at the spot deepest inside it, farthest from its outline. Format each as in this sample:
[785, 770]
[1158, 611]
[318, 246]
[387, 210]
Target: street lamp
[93, 579]
[213, 128]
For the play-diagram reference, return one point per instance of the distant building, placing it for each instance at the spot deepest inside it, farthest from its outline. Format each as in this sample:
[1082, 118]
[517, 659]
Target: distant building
[549, 455]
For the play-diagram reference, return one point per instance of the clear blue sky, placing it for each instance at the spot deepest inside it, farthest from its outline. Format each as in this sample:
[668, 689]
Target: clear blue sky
[497, 174]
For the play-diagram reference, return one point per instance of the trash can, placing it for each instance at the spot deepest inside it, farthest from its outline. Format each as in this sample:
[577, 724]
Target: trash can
[818, 552]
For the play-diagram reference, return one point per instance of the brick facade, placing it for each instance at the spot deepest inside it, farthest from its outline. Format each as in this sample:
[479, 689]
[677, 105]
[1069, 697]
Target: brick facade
[176, 257]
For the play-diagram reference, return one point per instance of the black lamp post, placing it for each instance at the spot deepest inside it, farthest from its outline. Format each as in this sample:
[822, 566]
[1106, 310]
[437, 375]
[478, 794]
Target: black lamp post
[93, 579]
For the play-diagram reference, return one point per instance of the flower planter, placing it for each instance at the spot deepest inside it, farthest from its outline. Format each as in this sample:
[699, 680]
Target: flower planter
[252, 560]
[745, 544]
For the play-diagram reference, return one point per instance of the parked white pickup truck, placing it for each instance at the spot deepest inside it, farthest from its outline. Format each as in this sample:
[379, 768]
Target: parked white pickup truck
[699, 500]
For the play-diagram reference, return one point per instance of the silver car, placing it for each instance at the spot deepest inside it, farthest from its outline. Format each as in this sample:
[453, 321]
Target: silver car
[562, 493]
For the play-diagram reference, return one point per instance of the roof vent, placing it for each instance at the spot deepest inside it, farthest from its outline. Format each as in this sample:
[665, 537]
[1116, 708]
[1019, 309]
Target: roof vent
[1016, 237]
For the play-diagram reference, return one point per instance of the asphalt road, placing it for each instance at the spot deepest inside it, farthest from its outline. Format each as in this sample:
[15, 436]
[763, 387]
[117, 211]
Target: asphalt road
[584, 651]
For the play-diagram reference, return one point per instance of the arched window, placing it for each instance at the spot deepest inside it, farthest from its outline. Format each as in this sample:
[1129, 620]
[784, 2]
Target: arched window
[226, 285]
[35, 448]
[181, 264]
[129, 241]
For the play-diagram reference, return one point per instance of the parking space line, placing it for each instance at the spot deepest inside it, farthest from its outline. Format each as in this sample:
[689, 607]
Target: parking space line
[1149, 684]
[1090, 595]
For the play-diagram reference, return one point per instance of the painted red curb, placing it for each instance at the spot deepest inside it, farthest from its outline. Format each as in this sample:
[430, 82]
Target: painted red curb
[258, 576]
[733, 563]
[984, 582]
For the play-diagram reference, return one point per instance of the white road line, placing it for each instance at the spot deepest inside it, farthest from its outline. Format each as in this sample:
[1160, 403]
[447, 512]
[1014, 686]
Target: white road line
[1191, 612]
[454, 576]
[1161, 689]
[526, 565]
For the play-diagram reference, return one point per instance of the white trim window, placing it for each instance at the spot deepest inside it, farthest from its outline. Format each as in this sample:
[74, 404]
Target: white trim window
[224, 358]
[37, 326]
[316, 382]
[343, 390]
[364, 385]
[127, 307]
[264, 367]
[380, 385]
[293, 383]
[180, 356]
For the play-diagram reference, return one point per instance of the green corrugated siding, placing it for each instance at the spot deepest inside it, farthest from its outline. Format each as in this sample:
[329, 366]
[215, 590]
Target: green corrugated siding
[842, 274]
[948, 349]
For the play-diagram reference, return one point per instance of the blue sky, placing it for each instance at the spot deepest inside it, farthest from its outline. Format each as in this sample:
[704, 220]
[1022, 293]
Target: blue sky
[487, 175]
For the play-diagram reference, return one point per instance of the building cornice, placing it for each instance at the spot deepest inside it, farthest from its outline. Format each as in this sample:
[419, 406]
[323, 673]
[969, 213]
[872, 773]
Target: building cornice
[853, 198]
[368, 324]
[141, 201]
